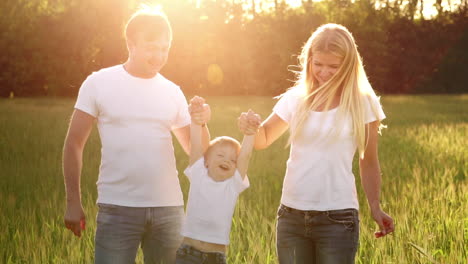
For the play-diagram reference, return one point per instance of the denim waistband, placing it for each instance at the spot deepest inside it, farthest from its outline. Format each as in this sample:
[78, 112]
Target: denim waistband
[288, 209]
[189, 250]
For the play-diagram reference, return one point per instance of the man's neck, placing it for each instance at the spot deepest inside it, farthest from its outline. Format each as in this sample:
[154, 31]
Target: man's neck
[133, 70]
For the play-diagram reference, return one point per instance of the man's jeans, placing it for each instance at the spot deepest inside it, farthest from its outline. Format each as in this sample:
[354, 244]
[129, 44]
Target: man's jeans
[321, 237]
[120, 230]
[189, 255]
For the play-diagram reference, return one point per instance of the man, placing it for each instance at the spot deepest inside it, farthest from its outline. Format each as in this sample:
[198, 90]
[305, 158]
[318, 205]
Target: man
[136, 108]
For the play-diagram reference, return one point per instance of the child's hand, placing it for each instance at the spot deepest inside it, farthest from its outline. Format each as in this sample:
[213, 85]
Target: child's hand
[249, 122]
[199, 111]
[196, 104]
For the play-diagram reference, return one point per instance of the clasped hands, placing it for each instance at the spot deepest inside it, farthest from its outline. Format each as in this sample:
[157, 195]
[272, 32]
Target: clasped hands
[200, 112]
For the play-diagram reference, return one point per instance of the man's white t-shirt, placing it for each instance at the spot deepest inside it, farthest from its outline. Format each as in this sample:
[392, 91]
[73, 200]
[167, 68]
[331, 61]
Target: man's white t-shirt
[319, 169]
[135, 117]
[211, 204]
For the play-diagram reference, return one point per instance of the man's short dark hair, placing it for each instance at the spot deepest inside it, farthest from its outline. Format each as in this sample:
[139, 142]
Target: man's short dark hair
[151, 23]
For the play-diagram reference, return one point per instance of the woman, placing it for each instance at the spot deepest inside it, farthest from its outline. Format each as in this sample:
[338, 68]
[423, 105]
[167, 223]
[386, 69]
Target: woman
[330, 112]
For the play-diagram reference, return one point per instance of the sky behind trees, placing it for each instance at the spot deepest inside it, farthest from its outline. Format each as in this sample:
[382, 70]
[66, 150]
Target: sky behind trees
[50, 46]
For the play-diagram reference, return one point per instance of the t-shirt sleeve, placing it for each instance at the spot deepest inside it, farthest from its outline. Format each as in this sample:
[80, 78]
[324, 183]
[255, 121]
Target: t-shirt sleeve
[284, 108]
[373, 109]
[182, 118]
[239, 184]
[195, 169]
[86, 100]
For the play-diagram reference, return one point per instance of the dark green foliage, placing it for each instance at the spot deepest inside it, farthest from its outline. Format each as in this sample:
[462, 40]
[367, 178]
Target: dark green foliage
[50, 46]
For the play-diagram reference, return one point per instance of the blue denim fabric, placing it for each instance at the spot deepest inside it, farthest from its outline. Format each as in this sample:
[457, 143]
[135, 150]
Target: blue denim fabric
[317, 237]
[189, 255]
[121, 230]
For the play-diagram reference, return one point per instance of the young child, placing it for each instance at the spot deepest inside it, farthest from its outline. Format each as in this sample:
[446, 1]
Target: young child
[217, 177]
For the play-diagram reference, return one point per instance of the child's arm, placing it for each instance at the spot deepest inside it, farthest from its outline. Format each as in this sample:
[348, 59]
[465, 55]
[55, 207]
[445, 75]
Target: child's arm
[196, 147]
[196, 140]
[245, 154]
[248, 143]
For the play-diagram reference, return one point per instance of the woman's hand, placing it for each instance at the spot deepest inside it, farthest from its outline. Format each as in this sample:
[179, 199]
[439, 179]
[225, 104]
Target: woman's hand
[249, 122]
[384, 221]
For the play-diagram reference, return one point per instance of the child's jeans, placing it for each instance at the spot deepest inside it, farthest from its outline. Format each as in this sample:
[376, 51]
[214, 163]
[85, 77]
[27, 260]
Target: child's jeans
[189, 255]
[317, 237]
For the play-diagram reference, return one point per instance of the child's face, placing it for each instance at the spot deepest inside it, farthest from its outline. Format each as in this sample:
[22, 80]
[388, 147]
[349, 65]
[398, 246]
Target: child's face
[221, 162]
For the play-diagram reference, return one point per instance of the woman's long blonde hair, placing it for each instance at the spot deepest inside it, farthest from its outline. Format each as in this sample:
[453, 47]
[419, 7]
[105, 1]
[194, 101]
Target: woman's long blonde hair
[349, 82]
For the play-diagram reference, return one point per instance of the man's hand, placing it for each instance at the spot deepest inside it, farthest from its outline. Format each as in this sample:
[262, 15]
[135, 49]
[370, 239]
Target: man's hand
[75, 219]
[384, 221]
[200, 112]
[249, 122]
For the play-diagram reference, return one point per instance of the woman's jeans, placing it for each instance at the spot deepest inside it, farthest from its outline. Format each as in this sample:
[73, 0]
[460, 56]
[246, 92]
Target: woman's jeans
[321, 237]
[189, 255]
[121, 229]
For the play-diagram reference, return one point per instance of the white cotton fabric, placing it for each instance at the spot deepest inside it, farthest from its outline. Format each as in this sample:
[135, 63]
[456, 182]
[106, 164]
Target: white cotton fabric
[211, 204]
[319, 170]
[135, 117]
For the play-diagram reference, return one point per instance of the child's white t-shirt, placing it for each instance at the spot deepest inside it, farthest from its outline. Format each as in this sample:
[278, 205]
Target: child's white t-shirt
[319, 172]
[135, 117]
[211, 204]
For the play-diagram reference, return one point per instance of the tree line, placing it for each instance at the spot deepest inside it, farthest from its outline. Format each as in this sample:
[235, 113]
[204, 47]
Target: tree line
[222, 47]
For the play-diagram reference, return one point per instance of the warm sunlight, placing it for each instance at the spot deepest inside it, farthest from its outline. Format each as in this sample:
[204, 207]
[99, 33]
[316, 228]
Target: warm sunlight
[429, 6]
[200, 122]
[429, 10]
[294, 3]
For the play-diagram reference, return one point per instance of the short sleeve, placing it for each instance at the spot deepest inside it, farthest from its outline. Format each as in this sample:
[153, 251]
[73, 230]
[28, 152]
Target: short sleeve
[373, 109]
[182, 117]
[240, 184]
[195, 169]
[286, 105]
[86, 100]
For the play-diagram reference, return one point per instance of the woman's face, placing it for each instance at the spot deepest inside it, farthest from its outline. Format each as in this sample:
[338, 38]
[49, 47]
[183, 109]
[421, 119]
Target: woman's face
[324, 66]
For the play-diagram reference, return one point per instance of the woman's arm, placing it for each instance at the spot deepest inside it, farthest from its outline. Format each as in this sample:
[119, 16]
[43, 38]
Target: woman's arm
[270, 130]
[371, 180]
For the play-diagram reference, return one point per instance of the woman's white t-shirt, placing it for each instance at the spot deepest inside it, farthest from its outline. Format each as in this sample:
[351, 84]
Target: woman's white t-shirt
[211, 204]
[319, 169]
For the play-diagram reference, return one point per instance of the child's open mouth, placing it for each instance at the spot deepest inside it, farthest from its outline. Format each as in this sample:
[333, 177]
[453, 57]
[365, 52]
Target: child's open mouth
[224, 167]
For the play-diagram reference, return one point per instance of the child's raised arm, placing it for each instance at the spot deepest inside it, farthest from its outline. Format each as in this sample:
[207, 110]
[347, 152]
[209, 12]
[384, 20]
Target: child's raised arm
[248, 143]
[196, 148]
[196, 144]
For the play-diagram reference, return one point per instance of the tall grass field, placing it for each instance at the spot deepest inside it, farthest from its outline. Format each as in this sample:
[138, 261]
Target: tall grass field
[423, 155]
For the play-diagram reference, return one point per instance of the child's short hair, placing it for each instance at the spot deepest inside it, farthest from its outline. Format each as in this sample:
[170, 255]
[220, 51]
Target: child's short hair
[152, 23]
[224, 140]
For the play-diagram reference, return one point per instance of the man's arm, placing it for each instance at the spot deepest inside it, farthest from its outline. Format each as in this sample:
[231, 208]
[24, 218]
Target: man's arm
[183, 136]
[80, 127]
[371, 180]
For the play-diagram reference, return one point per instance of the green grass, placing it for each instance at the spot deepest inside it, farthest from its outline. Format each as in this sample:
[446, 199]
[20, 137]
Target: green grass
[423, 155]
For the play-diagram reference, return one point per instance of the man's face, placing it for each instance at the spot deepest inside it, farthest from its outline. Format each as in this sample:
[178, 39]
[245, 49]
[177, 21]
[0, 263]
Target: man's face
[149, 55]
